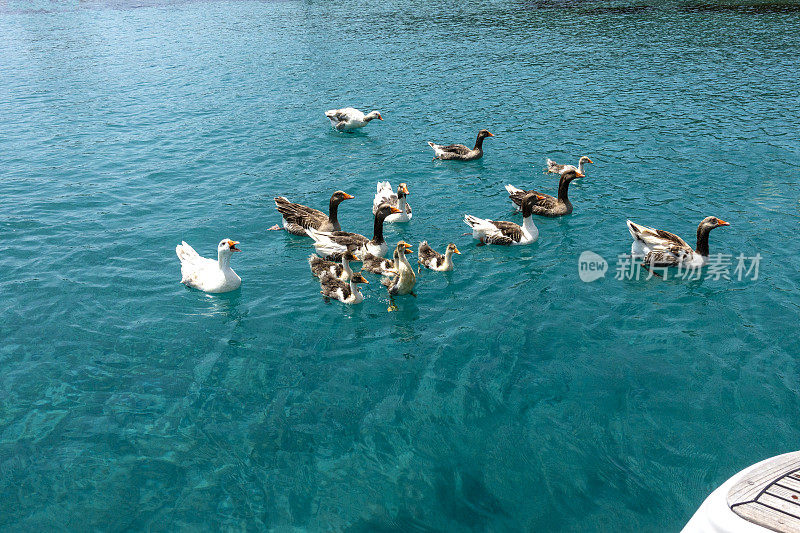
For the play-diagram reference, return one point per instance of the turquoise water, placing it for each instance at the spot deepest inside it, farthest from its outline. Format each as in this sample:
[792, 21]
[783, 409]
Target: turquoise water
[509, 395]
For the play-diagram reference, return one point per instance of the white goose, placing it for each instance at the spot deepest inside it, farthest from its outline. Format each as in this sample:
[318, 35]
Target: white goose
[385, 195]
[209, 275]
[350, 118]
[506, 233]
[662, 249]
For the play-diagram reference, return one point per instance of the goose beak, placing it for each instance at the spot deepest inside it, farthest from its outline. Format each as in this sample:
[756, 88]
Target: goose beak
[394, 210]
[409, 248]
[721, 222]
[590, 161]
[404, 188]
[380, 117]
[233, 244]
[455, 251]
[489, 134]
[363, 279]
[348, 196]
[580, 174]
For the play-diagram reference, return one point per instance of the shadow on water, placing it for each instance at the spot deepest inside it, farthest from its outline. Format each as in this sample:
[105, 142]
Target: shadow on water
[225, 305]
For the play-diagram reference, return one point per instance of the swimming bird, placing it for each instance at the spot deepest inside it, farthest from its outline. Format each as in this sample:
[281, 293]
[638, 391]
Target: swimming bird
[297, 217]
[430, 258]
[332, 245]
[546, 205]
[506, 233]
[404, 279]
[350, 118]
[662, 248]
[345, 292]
[459, 151]
[378, 265]
[207, 274]
[555, 168]
[385, 195]
[321, 267]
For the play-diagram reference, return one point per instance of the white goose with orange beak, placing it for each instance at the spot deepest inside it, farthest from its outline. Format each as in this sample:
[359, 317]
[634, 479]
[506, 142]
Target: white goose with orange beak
[350, 118]
[209, 275]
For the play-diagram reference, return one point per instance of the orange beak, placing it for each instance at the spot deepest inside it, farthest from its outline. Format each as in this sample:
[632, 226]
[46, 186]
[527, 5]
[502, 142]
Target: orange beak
[409, 248]
[404, 188]
[394, 209]
[233, 244]
[380, 117]
[590, 161]
[348, 196]
[455, 251]
[491, 134]
[721, 222]
[581, 174]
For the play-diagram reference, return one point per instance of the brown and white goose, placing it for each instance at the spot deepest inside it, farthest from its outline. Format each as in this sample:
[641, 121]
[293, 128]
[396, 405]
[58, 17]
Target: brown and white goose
[385, 195]
[662, 248]
[345, 292]
[506, 233]
[332, 245]
[460, 152]
[430, 258]
[297, 218]
[322, 267]
[546, 205]
[555, 168]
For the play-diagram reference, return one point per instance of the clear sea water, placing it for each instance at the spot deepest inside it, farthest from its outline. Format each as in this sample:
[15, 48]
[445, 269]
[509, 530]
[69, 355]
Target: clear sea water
[509, 395]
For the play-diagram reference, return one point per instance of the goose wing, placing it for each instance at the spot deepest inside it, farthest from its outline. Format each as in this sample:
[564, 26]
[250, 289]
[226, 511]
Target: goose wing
[658, 239]
[459, 149]
[384, 195]
[304, 216]
[508, 232]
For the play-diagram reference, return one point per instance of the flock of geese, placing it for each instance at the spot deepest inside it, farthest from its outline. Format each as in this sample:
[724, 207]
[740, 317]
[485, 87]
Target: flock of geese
[337, 249]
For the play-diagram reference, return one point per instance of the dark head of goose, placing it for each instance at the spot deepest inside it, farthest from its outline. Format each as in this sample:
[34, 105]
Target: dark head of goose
[705, 227]
[528, 202]
[572, 174]
[340, 196]
[384, 210]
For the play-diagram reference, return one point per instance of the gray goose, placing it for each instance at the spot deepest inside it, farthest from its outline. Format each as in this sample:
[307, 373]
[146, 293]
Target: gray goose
[460, 152]
[546, 205]
[663, 249]
[297, 218]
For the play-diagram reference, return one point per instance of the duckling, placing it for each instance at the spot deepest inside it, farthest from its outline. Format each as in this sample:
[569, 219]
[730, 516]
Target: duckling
[347, 293]
[430, 258]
